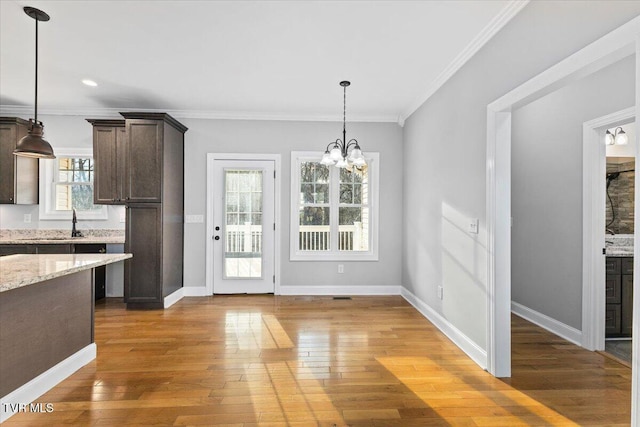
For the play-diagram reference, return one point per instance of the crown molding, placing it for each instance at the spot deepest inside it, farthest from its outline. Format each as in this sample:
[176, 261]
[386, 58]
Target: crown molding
[110, 113]
[496, 24]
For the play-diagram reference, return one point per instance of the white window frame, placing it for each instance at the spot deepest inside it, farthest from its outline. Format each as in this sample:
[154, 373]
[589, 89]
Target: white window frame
[48, 169]
[373, 162]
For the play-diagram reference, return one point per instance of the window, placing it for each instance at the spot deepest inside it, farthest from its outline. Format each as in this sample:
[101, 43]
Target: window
[68, 184]
[333, 210]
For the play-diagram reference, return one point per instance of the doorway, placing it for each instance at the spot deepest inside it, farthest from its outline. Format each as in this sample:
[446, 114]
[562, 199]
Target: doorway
[241, 222]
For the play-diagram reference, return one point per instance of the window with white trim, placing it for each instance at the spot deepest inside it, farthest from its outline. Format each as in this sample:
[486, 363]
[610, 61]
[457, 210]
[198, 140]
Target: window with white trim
[66, 184]
[333, 210]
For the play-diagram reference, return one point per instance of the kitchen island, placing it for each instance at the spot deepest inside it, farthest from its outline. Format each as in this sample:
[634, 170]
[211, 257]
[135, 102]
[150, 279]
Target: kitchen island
[46, 322]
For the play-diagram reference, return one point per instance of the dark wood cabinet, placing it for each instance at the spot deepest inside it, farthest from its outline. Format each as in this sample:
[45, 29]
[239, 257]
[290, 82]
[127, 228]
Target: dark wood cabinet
[18, 175]
[143, 272]
[109, 154]
[619, 296]
[154, 182]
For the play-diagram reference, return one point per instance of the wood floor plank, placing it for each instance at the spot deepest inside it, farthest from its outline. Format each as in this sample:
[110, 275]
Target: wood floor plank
[246, 361]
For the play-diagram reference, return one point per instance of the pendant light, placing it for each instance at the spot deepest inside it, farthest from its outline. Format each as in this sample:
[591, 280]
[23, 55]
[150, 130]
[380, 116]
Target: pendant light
[33, 145]
[337, 153]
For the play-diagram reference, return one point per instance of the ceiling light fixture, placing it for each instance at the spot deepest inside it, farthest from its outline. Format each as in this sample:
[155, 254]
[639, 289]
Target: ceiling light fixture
[618, 137]
[89, 83]
[337, 153]
[33, 145]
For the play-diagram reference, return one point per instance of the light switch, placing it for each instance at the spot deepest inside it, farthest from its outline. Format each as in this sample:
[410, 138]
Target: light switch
[473, 226]
[194, 219]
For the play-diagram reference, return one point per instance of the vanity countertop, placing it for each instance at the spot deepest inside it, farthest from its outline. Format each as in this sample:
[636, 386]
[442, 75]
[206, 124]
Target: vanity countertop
[619, 245]
[17, 271]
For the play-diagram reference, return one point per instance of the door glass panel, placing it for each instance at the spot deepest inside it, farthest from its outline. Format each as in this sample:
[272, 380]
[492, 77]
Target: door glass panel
[243, 227]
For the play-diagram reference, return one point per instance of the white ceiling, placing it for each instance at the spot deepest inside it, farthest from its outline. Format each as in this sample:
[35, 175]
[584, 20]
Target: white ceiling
[240, 59]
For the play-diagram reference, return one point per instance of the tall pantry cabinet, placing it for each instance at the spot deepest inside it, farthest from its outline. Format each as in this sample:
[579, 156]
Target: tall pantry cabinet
[151, 186]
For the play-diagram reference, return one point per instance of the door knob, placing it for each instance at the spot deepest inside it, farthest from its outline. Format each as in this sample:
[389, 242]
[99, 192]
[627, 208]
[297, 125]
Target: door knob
[217, 228]
[217, 238]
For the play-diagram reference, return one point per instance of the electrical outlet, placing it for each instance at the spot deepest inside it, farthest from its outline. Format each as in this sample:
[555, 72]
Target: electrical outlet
[340, 268]
[473, 225]
[440, 292]
[123, 217]
[27, 218]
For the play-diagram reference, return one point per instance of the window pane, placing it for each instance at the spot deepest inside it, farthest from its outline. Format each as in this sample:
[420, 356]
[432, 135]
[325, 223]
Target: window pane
[346, 193]
[74, 196]
[357, 193]
[256, 202]
[353, 231]
[232, 202]
[314, 232]
[322, 193]
[306, 193]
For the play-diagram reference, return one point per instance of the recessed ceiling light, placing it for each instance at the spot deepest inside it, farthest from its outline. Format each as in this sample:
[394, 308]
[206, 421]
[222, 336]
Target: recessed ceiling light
[90, 83]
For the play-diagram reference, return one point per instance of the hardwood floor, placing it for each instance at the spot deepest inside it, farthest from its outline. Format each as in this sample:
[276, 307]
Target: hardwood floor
[315, 361]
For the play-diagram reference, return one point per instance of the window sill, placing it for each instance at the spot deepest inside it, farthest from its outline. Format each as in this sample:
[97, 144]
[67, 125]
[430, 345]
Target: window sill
[365, 257]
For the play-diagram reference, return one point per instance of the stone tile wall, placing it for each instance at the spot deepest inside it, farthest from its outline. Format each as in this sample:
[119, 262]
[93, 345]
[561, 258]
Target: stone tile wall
[621, 192]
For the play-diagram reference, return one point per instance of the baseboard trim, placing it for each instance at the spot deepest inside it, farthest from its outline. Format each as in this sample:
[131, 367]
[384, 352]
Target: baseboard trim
[44, 382]
[173, 298]
[195, 291]
[466, 344]
[339, 290]
[560, 329]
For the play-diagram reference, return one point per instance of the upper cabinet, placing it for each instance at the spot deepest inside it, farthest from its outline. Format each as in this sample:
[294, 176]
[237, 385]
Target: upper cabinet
[131, 157]
[109, 154]
[18, 175]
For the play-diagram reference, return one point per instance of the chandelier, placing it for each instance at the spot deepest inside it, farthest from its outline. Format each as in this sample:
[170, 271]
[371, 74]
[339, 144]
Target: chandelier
[341, 153]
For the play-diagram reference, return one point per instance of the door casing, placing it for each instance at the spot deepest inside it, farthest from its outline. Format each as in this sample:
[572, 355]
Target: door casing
[209, 248]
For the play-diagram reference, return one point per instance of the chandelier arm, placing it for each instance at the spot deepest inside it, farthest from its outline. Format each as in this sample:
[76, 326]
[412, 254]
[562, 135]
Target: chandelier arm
[352, 143]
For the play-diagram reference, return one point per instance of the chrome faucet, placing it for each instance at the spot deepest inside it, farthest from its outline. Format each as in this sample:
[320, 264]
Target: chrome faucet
[74, 221]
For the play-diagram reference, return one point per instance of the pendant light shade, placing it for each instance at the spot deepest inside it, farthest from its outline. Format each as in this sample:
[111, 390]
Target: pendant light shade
[33, 144]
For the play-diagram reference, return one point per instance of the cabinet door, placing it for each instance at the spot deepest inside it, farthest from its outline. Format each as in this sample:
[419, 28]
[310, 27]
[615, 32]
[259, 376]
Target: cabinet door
[612, 320]
[613, 289]
[56, 248]
[142, 273]
[105, 165]
[8, 138]
[16, 249]
[627, 305]
[144, 161]
[121, 162]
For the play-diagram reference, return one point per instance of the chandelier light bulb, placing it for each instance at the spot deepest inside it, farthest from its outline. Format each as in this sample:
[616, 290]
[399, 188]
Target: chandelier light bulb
[621, 138]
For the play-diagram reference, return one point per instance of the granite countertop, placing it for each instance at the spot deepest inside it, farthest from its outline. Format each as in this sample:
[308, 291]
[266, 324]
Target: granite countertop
[35, 236]
[17, 271]
[619, 245]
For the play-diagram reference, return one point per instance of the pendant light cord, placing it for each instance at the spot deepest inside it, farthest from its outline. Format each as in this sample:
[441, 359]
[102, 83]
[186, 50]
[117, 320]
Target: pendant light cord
[36, 101]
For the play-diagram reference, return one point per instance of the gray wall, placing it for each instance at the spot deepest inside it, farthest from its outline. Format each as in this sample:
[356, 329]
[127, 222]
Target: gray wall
[277, 137]
[61, 132]
[546, 190]
[445, 152]
[282, 137]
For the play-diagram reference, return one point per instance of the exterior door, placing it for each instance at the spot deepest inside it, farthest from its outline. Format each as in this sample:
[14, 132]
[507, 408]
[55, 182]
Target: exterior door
[243, 219]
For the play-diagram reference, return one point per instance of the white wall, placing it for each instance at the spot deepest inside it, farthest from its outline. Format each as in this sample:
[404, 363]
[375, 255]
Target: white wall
[282, 137]
[442, 191]
[546, 174]
[60, 132]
